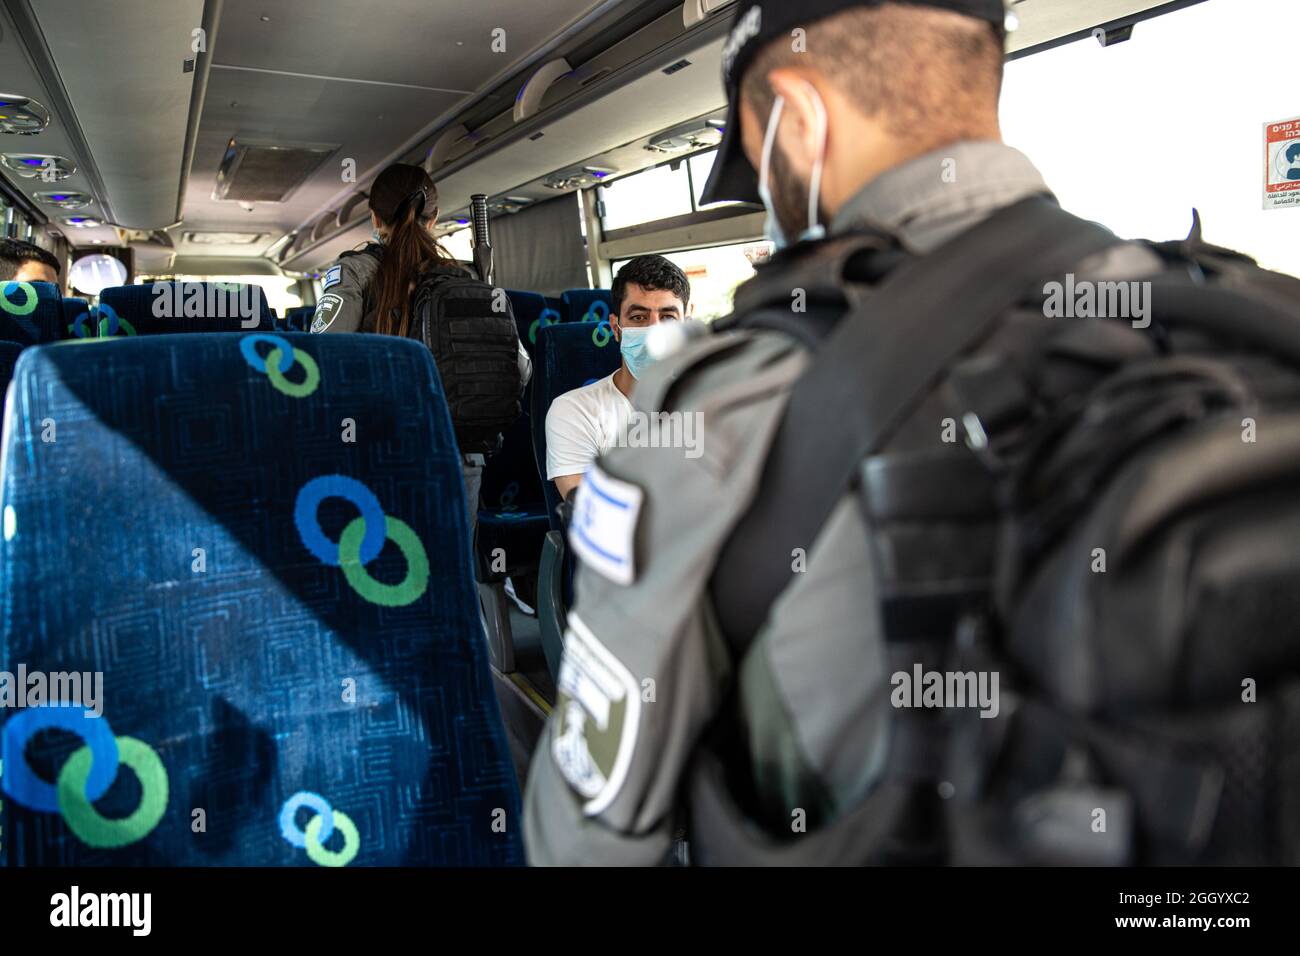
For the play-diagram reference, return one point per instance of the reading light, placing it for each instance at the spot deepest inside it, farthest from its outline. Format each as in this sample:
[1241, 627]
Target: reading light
[689, 136]
[64, 200]
[578, 178]
[32, 165]
[22, 115]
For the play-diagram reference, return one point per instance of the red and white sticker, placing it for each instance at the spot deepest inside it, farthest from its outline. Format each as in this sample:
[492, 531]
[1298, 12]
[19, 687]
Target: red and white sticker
[1282, 165]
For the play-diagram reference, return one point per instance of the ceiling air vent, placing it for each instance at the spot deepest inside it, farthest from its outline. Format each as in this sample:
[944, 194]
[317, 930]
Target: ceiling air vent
[222, 238]
[266, 172]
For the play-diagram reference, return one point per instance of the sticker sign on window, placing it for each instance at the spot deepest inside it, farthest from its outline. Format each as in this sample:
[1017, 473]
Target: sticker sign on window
[1282, 159]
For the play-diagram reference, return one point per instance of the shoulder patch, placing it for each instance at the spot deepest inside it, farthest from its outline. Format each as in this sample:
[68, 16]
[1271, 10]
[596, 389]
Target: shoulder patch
[598, 708]
[333, 276]
[604, 525]
[327, 310]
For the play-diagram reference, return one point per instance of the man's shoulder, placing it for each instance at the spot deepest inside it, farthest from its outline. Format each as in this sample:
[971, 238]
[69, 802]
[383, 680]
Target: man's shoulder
[595, 392]
[579, 402]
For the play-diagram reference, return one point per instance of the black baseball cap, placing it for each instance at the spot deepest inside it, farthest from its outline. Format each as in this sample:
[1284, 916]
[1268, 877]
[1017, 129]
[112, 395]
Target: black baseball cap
[757, 23]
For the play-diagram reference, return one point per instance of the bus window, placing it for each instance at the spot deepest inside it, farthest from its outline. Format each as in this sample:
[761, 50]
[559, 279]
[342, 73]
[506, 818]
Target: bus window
[459, 243]
[658, 193]
[1136, 134]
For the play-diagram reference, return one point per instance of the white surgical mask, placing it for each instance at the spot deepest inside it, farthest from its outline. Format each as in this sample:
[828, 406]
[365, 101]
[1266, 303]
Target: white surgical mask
[773, 230]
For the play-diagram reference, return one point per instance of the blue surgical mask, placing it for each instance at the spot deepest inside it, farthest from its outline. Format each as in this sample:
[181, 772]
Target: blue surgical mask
[374, 234]
[635, 354]
[772, 229]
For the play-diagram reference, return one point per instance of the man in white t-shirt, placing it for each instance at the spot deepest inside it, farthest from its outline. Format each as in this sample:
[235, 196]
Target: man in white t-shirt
[583, 424]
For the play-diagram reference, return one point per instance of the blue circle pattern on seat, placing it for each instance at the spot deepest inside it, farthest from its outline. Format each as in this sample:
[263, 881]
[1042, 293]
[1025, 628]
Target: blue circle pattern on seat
[289, 828]
[598, 311]
[548, 317]
[30, 298]
[509, 497]
[20, 781]
[349, 489]
[248, 347]
[100, 314]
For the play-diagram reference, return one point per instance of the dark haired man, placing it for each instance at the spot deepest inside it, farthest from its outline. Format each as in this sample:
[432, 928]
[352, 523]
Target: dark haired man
[26, 262]
[583, 424]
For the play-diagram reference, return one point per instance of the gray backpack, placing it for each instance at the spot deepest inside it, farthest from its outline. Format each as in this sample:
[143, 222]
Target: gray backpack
[1118, 539]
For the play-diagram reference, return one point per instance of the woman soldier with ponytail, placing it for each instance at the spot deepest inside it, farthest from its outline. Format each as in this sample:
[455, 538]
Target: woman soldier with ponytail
[371, 290]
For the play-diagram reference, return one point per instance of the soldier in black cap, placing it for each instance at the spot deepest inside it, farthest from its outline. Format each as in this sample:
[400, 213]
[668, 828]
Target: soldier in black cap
[732, 665]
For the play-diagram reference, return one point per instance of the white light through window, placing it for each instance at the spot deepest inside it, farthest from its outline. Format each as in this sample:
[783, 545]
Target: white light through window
[1137, 134]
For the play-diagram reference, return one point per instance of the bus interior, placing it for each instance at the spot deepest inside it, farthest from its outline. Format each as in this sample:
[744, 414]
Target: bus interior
[230, 145]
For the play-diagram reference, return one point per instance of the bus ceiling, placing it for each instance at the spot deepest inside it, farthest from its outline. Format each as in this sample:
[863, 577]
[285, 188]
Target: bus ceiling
[251, 128]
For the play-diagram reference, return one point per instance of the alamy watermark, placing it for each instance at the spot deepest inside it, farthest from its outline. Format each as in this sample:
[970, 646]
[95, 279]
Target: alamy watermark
[53, 688]
[1084, 299]
[175, 300]
[945, 690]
[683, 430]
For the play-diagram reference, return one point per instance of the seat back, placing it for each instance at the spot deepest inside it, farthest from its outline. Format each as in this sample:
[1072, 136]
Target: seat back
[30, 312]
[587, 305]
[532, 313]
[9, 352]
[72, 307]
[510, 480]
[161, 308]
[569, 356]
[260, 542]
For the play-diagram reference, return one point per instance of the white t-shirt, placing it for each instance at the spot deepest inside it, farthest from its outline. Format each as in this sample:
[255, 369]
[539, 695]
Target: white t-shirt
[584, 424]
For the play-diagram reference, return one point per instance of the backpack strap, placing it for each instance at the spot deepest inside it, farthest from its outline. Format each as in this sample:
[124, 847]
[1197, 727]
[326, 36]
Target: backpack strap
[882, 358]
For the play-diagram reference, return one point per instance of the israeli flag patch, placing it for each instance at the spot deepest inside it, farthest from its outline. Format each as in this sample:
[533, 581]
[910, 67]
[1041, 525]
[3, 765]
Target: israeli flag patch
[333, 277]
[603, 529]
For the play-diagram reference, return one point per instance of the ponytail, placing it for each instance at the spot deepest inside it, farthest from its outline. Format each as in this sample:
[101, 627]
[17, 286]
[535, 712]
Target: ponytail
[410, 250]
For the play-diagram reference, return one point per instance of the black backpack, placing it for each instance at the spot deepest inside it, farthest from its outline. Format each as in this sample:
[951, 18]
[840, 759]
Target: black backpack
[1117, 537]
[469, 326]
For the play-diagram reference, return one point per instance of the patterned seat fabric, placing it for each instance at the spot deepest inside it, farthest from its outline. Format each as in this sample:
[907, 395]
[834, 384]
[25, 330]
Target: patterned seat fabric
[260, 542]
[531, 315]
[513, 514]
[587, 305]
[30, 312]
[9, 352]
[569, 356]
[161, 308]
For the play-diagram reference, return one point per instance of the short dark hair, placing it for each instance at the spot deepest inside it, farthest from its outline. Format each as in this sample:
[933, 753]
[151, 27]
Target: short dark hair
[14, 252]
[930, 74]
[654, 273]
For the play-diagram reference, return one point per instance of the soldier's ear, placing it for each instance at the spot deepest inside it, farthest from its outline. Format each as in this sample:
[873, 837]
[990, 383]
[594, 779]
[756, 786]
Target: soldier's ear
[799, 127]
